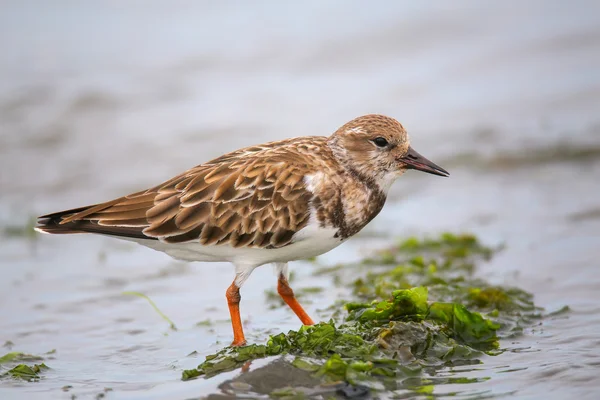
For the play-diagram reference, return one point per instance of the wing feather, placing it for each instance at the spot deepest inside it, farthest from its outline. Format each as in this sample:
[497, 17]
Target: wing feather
[255, 197]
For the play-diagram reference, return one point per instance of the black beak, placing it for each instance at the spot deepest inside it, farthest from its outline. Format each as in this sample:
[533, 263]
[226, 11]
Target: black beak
[414, 160]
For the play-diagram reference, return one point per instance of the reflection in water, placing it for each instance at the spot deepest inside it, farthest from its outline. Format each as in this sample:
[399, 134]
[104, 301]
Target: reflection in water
[97, 101]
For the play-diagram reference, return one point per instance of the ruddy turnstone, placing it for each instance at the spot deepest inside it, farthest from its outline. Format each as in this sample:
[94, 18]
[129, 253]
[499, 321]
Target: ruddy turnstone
[270, 203]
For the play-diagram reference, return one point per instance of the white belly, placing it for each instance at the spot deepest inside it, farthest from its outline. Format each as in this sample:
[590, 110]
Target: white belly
[309, 242]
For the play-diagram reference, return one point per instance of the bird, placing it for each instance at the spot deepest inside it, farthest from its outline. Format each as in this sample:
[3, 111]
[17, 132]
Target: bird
[271, 203]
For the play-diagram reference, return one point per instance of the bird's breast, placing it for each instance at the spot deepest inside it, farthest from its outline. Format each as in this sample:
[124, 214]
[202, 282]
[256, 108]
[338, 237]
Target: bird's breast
[344, 203]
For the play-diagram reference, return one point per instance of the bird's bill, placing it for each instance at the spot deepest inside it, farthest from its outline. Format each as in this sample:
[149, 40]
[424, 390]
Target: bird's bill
[414, 160]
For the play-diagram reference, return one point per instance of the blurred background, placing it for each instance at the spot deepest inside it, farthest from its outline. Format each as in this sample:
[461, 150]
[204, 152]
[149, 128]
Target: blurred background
[99, 99]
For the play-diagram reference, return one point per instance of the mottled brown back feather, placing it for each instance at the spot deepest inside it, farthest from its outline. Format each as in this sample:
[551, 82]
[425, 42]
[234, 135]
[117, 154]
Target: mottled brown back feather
[253, 197]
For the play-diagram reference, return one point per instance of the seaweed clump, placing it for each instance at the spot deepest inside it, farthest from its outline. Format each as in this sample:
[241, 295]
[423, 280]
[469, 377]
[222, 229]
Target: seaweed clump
[468, 328]
[415, 307]
[30, 373]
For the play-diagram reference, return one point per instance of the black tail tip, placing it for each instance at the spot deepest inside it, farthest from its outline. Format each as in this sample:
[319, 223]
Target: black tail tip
[50, 224]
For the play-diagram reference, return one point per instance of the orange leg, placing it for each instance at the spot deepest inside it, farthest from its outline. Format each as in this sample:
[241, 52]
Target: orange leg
[287, 294]
[233, 301]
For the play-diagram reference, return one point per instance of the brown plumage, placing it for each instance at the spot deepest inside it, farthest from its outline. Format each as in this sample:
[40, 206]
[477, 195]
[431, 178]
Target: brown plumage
[253, 197]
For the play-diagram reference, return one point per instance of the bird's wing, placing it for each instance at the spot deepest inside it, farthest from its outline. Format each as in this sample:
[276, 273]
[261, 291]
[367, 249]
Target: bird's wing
[253, 197]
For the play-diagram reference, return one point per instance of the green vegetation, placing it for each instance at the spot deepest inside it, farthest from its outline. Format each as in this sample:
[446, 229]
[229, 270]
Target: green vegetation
[415, 307]
[16, 356]
[155, 307]
[26, 372]
[19, 370]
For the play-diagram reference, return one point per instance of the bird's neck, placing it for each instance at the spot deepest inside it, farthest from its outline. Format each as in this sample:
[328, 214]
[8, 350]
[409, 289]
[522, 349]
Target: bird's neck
[375, 180]
[349, 198]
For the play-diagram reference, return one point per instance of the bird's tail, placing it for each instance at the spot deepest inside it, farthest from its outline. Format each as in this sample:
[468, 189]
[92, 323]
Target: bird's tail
[87, 220]
[53, 223]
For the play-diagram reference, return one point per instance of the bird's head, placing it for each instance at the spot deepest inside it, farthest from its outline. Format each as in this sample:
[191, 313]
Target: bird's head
[379, 147]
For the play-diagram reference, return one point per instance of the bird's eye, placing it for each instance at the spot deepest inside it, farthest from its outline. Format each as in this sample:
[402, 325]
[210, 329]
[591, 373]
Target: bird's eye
[380, 142]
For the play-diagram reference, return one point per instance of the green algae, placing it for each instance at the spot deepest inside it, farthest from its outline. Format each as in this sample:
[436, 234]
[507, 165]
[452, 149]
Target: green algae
[26, 372]
[470, 328]
[17, 369]
[16, 356]
[414, 308]
[404, 303]
[154, 307]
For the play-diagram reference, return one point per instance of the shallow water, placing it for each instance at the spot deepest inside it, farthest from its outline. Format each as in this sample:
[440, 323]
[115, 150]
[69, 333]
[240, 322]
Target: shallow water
[100, 100]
